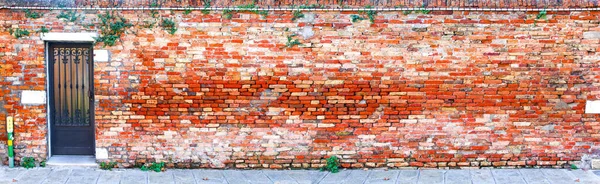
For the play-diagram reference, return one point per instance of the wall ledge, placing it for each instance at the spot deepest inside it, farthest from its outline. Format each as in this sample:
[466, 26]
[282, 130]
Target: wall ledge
[69, 37]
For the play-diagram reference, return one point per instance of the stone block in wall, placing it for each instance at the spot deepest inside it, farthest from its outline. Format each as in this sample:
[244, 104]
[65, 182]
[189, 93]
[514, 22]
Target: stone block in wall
[101, 56]
[33, 97]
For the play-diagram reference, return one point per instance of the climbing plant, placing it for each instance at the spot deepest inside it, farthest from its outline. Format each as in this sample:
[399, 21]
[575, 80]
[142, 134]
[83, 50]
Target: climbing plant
[169, 26]
[18, 33]
[112, 26]
[70, 16]
[356, 18]
[370, 13]
[291, 42]
[227, 14]
[206, 10]
[32, 15]
[421, 10]
[297, 14]
[252, 8]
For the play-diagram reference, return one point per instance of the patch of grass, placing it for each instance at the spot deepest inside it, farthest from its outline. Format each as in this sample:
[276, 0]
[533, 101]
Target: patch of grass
[70, 16]
[43, 163]
[18, 33]
[169, 26]
[156, 167]
[32, 15]
[107, 165]
[28, 162]
[333, 164]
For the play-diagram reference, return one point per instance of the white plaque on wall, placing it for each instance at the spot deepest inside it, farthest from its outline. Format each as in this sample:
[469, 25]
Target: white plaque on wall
[33, 97]
[592, 107]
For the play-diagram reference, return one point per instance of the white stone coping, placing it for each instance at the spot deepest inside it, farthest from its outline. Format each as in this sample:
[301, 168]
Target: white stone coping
[70, 37]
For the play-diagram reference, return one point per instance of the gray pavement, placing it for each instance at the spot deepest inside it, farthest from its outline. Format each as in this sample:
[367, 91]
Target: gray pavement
[77, 175]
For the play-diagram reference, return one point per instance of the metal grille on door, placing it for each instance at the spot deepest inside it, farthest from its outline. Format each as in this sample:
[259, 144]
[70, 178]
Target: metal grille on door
[71, 86]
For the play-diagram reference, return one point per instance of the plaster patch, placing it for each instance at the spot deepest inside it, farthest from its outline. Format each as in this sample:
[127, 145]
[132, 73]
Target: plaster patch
[101, 56]
[33, 97]
[592, 107]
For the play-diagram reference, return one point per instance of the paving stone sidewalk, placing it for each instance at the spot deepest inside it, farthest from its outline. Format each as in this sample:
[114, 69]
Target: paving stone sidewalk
[73, 175]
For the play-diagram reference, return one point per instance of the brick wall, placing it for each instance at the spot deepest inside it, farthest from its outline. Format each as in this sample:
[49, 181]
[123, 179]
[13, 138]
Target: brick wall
[445, 89]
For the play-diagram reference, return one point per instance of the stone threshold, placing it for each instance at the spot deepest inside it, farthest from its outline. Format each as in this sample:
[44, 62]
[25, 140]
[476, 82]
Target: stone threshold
[72, 160]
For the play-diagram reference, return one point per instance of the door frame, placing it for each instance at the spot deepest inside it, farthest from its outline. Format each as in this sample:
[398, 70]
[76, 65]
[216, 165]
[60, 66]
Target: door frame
[87, 38]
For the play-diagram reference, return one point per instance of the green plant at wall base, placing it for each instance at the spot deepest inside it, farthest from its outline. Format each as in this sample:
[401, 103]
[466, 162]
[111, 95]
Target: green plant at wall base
[291, 42]
[28, 162]
[112, 26]
[333, 164]
[356, 18]
[156, 167]
[107, 165]
[169, 26]
[43, 163]
[18, 33]
[574, 167]
[70, 16]
[32, 15]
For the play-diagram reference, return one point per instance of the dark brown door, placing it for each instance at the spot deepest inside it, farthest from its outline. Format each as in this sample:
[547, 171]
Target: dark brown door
[71, 98]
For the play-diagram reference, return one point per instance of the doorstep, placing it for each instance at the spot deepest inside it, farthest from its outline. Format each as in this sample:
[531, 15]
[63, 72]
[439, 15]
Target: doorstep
[72, 160]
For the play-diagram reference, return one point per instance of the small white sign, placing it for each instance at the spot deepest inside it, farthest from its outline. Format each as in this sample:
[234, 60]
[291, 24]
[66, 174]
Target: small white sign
[592, 107]
[33, 97]
[101, 56]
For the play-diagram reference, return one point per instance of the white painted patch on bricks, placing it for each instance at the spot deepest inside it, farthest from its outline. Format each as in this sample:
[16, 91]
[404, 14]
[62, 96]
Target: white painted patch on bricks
[101, 56]
[101, 153]
[33, 97]
[592, 107]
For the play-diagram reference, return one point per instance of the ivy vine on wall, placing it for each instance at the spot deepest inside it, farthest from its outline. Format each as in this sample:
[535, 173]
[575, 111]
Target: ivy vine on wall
[112, 26]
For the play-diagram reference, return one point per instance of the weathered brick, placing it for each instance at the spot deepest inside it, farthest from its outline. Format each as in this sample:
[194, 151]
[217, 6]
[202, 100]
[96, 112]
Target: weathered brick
[443, 93]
